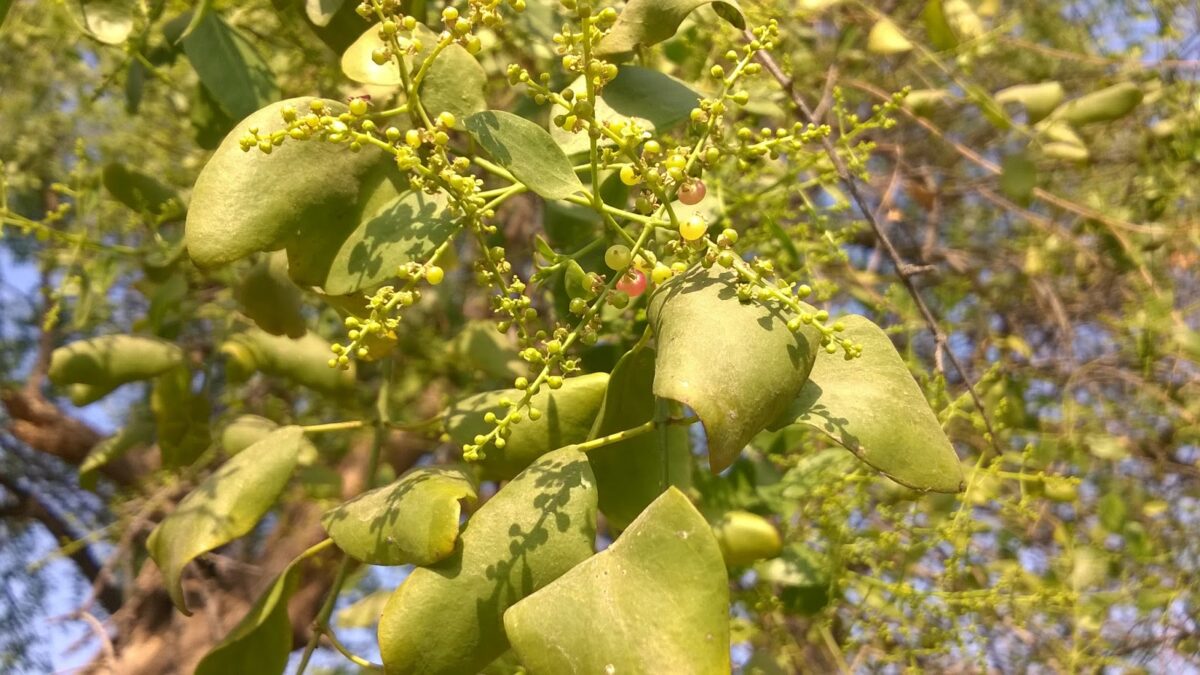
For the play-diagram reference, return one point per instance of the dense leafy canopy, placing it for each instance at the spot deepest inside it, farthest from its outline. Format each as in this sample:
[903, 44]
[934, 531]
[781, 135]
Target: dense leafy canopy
[643, 336]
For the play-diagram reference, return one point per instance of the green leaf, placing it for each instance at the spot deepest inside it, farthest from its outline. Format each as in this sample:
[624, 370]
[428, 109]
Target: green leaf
[654, 100]
[364, 612]
[802, 577]
[567, 416]
[229, 67]
[142, 193]
[321, 12]
[448, 618]
[632, 473]
[138, 431]
[643, 23]
[181, 418]
[245, 202]
[261, 641]
[526, 150]
[577, 282]
[872, 406]
[745, 537]
[1018, 178]
[1114, 512]
[412, 521]
[886, 38]
[202, 10]
[480, 347]
[246, 430]
[104, 363]
[270, 299]
[364, 252]
[937, 27]
[108, 21]
[454, 82]
[304, 361]
[1105, 105]
[737, 365]
[224, 507]
[1038, 100]
[659, 595]
[5, 5]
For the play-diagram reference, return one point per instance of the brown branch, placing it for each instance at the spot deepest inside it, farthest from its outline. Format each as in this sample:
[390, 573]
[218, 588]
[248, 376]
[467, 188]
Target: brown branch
[31, 506]
[902, 268]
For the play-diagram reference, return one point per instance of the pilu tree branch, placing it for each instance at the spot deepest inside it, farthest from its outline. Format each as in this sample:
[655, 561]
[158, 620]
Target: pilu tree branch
[904, 270]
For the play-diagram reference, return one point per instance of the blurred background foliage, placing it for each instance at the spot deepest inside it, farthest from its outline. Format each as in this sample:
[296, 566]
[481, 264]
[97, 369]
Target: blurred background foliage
[1059, 258]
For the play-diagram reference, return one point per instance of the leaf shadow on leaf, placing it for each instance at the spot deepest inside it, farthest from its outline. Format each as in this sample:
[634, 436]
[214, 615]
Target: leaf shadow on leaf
[482, 126]
[381, 524]
[798, 350]
[555, 480]
[380, 235]
[808, 406]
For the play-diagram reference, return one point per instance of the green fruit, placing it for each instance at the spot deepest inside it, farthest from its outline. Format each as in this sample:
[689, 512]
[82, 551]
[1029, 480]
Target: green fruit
[245, 202]
[745, 537]
[96, 366]
[1105, 105]
[268, 296]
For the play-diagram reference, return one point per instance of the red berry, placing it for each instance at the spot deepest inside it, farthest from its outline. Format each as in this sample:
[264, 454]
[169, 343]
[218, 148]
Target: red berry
[633, 284]
[691, 193]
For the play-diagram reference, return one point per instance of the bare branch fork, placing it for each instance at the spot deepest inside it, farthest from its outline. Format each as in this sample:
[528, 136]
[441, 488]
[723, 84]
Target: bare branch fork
[904, 270]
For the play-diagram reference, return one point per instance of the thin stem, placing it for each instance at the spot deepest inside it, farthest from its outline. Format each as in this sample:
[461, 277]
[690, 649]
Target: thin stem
[320, 625]
[852, 186]
[355, 658]
[332, 426]
[634, 432]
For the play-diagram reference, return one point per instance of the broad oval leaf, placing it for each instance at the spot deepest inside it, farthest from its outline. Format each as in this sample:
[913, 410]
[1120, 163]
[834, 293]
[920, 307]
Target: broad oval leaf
[229, 67]
[321, 12]
[364, 252]
[632, 473]
[1038, 100]
[181, 418]
[138, 431]
[223, 507]
[872, 406]
[104, 363]
[745, 537]
[1018, 178]
[142, 193]
[412, 521]
[109, 21]
[567, 416]
[737, 365]
[659, 595]
[527, 150]
[245, 202]
[454, 82]
[886, 38]
[261, 641]
[364, 612]
[246, 430]
[654, 100]
[1106, 105]
[643, 23]
[268, 296]
[448, 618]
[304, 361]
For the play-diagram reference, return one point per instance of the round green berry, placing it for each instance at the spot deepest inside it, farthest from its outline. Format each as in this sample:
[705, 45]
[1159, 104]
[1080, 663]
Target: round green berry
[617, 257]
